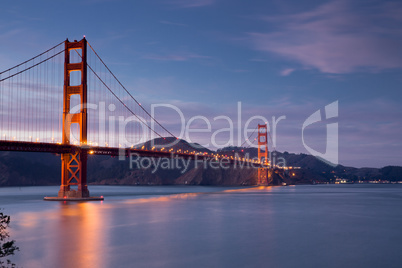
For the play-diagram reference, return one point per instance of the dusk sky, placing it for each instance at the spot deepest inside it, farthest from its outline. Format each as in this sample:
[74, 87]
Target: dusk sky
[278, 58]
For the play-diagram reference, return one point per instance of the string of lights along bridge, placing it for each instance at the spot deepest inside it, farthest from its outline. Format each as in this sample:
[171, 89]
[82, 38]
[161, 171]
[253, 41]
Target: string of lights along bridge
[66, 100]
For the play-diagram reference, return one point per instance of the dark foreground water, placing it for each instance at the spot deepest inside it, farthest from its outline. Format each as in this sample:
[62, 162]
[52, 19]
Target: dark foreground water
[295, 226]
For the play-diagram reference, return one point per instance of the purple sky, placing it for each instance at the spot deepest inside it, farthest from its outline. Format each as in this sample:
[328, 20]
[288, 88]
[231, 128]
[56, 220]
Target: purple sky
[278, 58]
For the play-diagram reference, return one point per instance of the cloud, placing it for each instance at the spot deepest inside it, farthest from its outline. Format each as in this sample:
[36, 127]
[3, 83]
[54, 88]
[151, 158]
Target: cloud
[26, 43]
[287, 71]
[337, 37]
[176, 57]
[173, 23]
[192, 3]
[258, 60]
[240, 71]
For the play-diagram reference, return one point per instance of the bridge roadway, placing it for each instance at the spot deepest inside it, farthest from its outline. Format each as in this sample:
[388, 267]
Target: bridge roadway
[23, 146]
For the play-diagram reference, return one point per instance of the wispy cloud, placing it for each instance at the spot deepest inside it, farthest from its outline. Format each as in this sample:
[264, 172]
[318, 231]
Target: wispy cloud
[173, 23]
[176, 57]
[192, 3]
[20, 17]
[240, 71]
[11, 33]
[287, 71]
[96, 1]
[338, 37]
[26, 42]
[258, 60]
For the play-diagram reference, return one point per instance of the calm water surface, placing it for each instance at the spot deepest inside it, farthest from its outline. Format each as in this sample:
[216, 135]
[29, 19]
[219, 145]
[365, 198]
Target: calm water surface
[295, 226]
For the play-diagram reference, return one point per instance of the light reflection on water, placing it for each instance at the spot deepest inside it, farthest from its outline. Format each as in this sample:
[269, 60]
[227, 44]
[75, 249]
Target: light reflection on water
[302, 226]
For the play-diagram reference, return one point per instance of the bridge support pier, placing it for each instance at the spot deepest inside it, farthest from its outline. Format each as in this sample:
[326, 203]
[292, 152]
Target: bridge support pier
[74, 172]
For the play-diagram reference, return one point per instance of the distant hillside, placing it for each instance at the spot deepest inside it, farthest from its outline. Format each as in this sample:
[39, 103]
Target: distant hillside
[25, 169]
[314, 170]
[18, 169]
[172, 143]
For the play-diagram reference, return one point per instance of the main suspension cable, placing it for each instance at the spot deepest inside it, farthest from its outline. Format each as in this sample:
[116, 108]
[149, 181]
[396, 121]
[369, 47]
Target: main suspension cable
[1, 80]
[31, 58]
[248, 138]
[272, 142]
[139, 104]
[111, 91]
[122, 102]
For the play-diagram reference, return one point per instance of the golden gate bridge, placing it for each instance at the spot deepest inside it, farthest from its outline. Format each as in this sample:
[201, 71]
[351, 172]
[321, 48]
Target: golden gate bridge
[36, 117]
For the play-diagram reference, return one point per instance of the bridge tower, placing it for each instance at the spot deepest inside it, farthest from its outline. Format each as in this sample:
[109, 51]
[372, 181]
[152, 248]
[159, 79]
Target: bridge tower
[74, 164]
[263, 173]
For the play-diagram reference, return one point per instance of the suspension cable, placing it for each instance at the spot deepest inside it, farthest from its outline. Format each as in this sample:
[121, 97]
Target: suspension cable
[272, 142]
[248, 138]
[111, 91]
[31, 58]
[1, 80]
[122, 102]
[129, 92]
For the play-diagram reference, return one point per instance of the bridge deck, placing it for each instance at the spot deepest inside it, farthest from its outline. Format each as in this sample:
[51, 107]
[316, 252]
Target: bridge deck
[20, 146]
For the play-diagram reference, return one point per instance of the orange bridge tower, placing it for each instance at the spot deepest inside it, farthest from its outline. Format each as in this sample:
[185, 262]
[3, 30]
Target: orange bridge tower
[263, 172]
[74, 164]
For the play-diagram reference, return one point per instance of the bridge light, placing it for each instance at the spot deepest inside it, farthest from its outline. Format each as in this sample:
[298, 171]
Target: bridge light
[91, 152]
